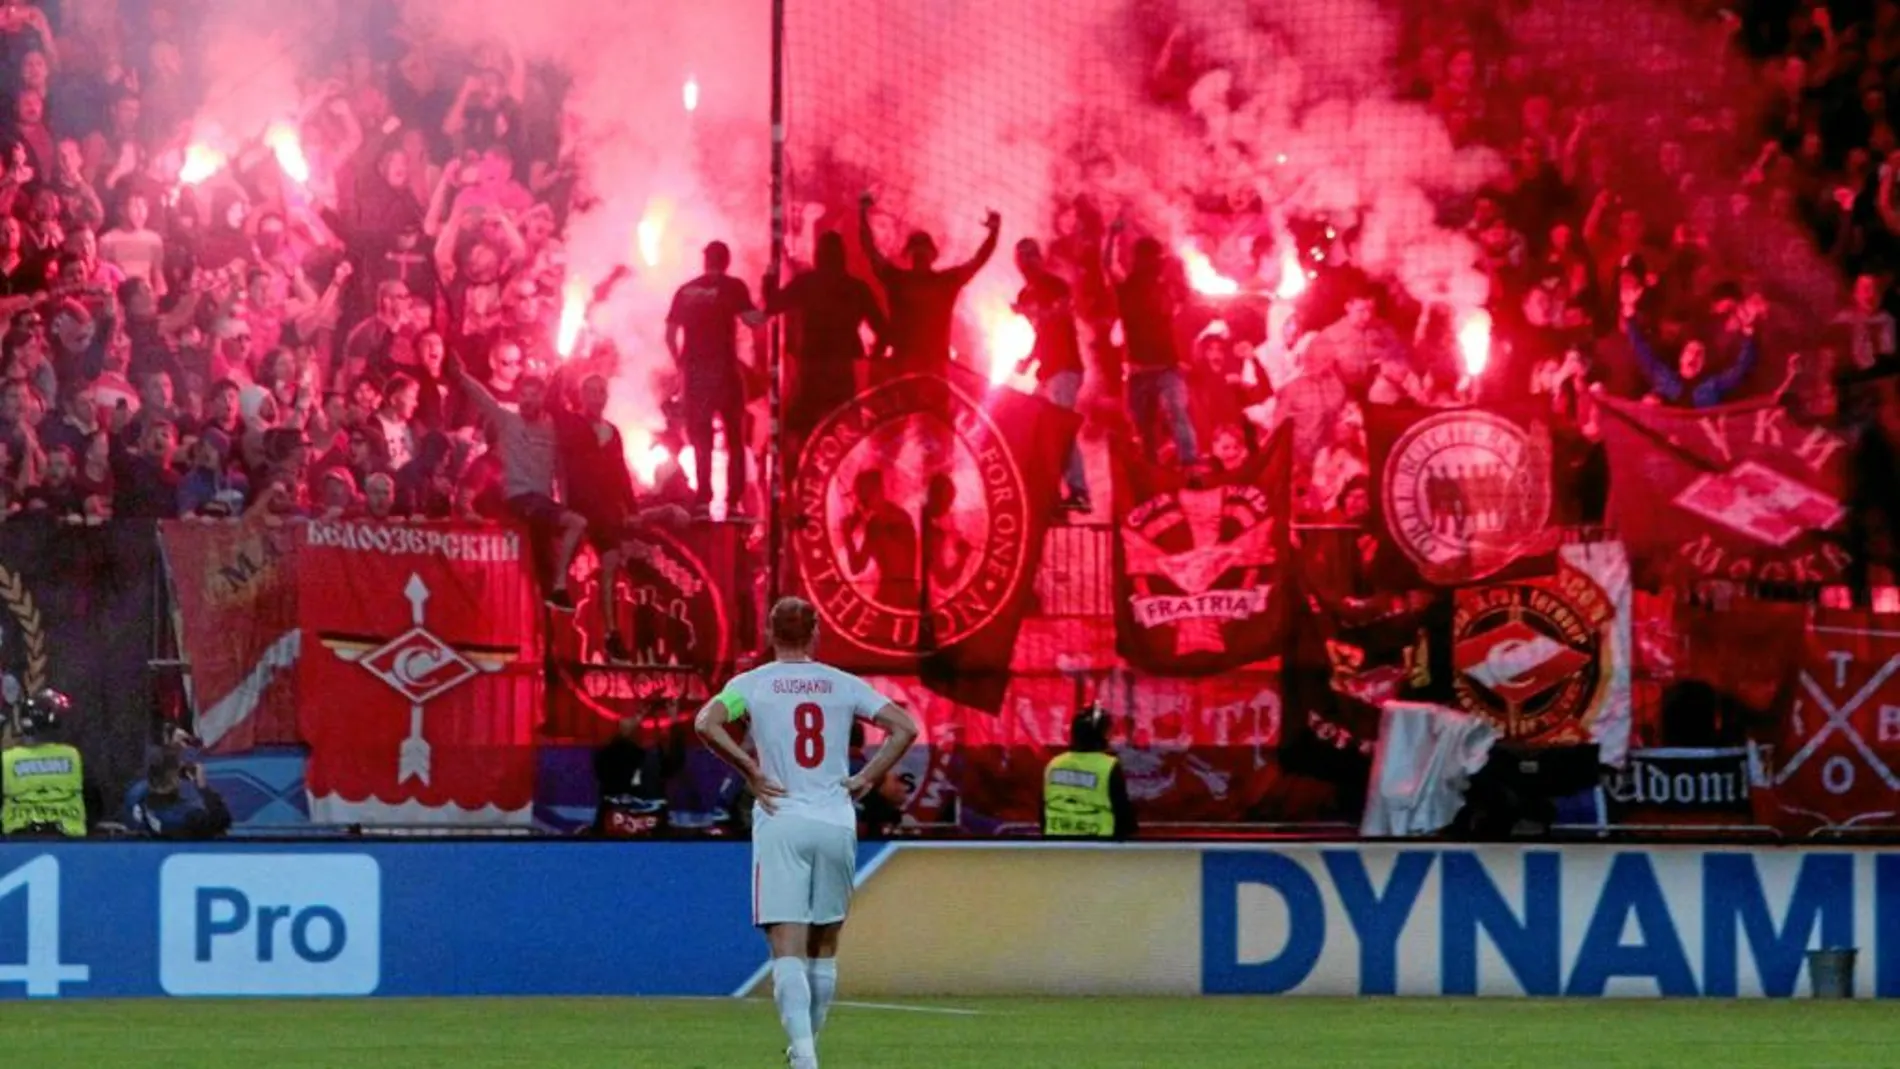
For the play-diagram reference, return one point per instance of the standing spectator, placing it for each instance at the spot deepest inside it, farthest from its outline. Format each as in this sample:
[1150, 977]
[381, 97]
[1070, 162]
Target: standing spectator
[528, 443]
[175, 801]
[148, 485]
[400, 397]
[829, 308]
[702, 333]
[1156, 388]
[922, 300]
[1048, 303]
[425, 487]
[1868, 327]
[386, 341]
[133, 247]
[210, 488]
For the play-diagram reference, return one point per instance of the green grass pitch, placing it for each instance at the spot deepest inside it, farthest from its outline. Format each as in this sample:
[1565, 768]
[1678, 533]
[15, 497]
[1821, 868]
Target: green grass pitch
[993, 1034]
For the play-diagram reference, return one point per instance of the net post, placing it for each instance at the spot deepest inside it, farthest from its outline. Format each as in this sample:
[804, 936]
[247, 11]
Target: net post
[775, 332]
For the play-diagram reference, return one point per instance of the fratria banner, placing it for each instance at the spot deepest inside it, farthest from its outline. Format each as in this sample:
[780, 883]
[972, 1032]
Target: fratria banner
[1547, 657]
[917, 520]
[1200, 576]
[407, 658]
[1743, 492]
[1832, 756]
[1461, 494]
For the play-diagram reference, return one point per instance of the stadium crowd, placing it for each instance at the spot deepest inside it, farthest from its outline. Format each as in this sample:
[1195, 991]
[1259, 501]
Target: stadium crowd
[260, 334]
[184, 343]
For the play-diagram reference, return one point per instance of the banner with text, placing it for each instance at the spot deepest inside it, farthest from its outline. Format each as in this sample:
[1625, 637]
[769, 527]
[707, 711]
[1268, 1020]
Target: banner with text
[686, 612]
[916, 517]
[234, 611]
[1460, 494]
[1832, 758]
[1200, 576]
[422, 678]
[1743, 492]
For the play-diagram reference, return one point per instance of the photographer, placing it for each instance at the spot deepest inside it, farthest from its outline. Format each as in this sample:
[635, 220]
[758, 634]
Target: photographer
[174, 800]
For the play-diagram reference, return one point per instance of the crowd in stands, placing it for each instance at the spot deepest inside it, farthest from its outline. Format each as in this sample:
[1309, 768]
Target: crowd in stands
[247, 340]
[1623, 244]
[183, 344]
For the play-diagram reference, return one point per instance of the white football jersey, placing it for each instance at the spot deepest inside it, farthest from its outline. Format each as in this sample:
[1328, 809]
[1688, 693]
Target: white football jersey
[801, 714]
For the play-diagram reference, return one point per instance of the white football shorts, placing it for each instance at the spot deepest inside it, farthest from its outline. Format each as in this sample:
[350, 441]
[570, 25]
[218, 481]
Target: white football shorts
[802, 870]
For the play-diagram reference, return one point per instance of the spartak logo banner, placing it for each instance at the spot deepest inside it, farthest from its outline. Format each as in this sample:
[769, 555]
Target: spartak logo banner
[918, 514]
[1833, 757]
[1742, 492]
[1547, 658]
[1461, 494]
[1200, 571]
[422, 679]
[234, 610]
[684, 608]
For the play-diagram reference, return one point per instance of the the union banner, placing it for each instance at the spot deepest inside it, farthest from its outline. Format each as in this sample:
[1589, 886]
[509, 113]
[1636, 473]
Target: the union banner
[1200, 576]
[917, 516]
[1742, 492]
[1461, 494]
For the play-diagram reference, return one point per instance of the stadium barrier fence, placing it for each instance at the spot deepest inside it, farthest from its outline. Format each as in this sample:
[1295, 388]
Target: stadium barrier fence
[455, 918]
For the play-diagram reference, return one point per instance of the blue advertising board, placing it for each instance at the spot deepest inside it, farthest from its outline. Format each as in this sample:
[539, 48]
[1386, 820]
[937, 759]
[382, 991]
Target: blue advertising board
[354, 918]
[403, 919]
[1579, 921]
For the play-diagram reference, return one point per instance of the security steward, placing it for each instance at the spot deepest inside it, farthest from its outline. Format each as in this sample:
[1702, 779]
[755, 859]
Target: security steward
[42, 780]
[1084, 794]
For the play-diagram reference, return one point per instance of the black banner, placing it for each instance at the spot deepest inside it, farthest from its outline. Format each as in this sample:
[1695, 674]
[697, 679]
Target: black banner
[916, 516]
[78, 609]
[687, 612]
[1200, 576]
[1679, 785]
[1460, 494]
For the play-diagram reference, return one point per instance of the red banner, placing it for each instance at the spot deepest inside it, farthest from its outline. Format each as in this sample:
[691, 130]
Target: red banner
[917, 515]
[1460, 494]
[1741, 492]
[687, 612]
[234, 610]
[421, 673]
[1200, 577]
[1833, 757]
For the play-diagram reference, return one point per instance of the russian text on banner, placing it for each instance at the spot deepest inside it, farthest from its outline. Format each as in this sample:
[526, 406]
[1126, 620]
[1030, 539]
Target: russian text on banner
[686, 609]
[234, 610]
[422, 680]
[1832, 758]
[1460, 494]
[917, 519]
[1200, 576]
[1743, 492]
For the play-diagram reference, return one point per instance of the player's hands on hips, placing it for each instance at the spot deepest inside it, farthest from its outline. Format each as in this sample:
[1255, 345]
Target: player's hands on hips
[858, 785]
[766, 791]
